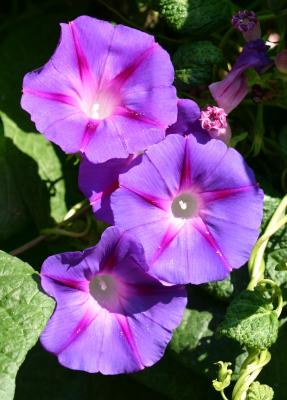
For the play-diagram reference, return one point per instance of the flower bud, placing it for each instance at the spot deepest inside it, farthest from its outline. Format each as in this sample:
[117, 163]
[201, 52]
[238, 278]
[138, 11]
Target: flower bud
[213, 120]
[229, 92]
[247, 23]
[281, 61]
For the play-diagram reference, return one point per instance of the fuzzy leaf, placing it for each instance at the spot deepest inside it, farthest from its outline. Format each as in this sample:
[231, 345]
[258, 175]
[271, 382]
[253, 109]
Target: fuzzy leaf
[195, 17]
[221, 290]
[260, 392]
[24, 311]
[193, 62]
[251, 320]
[195, 323]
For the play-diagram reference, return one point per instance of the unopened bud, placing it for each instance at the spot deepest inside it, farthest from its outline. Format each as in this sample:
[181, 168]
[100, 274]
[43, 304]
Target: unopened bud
[247, 23]
[213, 120]
[281, 61]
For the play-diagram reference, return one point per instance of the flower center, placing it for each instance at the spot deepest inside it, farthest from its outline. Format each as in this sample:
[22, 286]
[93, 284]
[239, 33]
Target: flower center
[184, 206]
[103, 105]
[104, 289]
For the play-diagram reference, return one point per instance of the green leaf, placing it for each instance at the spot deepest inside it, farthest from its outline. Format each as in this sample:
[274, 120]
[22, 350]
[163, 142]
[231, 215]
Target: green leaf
[230, 287]
[33, 174]
[276, 251]
[195, 17]
[196, 324]
[24, 311]
[38, 174]
[195, 344]
[222, 290]
[193, 62]
[251, 320]
[235, 139]
[260, 392]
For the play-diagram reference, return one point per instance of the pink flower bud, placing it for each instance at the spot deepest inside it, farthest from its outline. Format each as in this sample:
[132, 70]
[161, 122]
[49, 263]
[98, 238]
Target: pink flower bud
[213, 120]
[281, 61]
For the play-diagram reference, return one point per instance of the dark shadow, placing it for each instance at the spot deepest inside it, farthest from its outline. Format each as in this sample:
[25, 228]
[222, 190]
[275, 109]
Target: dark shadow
[200, 353]
[41, 377]
[171, 377]
[25, 196]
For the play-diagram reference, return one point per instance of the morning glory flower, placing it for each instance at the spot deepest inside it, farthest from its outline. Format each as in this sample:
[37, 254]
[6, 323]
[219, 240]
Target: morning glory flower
[188, 120]
[111, 316]
[106, 91]
[99, 181]
[247, 23]
[196, 208]
[229, 92]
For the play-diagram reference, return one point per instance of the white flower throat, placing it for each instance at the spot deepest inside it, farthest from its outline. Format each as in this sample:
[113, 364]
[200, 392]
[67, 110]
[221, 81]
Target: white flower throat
[184, 206]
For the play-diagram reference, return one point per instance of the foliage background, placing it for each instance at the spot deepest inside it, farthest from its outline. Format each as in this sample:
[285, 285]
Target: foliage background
[39, 185]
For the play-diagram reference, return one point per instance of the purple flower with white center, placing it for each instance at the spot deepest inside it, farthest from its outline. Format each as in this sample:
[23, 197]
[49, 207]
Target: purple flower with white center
[99, 181]
[213, 120]
[229, 92]
[106, 92]
[247, 23]
[111, 316]
[196, 208]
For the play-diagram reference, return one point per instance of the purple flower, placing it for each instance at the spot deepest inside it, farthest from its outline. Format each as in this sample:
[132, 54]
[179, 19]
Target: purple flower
[229, 92]
[213, 120]
[106, 92]
[208, 123]
[188, 114]
[188, 121]
[111, 316]
[247, 23]
[196, 208]
[99, 181]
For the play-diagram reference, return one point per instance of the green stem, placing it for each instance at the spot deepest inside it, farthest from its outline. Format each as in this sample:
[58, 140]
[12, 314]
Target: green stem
[256, 262]
[223, 395]
[267, 17]
[64, 232]
[278, 294]
[257, 359]
[75, 212]
[252, 367]
[258, 130]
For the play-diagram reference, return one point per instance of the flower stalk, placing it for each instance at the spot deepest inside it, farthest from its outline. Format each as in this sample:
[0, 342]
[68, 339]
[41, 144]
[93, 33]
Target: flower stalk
[257, 359]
